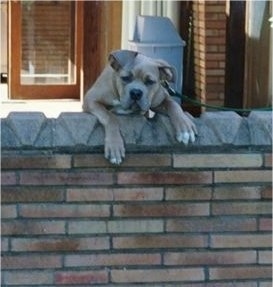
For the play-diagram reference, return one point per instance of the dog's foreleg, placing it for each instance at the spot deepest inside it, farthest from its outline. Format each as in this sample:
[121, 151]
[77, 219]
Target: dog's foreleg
[185, 129]
[114, 149]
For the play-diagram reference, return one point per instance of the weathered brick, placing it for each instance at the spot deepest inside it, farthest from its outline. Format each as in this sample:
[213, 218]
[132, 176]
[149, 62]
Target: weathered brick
[124, 259]
[31, 262]
[138, 194]
[219, 224]
[30, 227]
[188, 193]
[237, 192]
[36, 161]
[118, 194]
[31, 194]
[265, 224]
[89, 194]
[217, 160]
[210, 258]
[81, 277]
[246, 208]
[9, 211]
[157, 178]
[8, 178]
[243, 176]
[65, 178]
[241, 241]
[87, 227]
[157, 275]
[135, 226]
[232, 273]
[148, 160]
[160, 241]
[60, 244]
[19, 278]
[265, 257]
[161, 210]
[63, 210]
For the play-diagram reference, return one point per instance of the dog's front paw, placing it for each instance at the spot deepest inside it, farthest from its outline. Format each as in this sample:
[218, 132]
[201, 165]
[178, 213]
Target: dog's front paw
[114, 150]
[186, 131]
[186, 137]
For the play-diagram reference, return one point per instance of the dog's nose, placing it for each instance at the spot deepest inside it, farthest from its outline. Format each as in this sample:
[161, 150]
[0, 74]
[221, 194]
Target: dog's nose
[136, 94]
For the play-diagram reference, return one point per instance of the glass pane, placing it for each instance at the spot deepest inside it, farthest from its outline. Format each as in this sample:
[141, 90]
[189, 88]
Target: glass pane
[48, 48]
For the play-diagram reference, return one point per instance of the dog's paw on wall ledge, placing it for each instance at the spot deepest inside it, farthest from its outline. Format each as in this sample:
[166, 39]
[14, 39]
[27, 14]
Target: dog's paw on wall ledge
[28, 130]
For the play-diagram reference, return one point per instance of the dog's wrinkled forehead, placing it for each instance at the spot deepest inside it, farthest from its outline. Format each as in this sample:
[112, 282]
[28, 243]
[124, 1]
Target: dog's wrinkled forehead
[126, 60]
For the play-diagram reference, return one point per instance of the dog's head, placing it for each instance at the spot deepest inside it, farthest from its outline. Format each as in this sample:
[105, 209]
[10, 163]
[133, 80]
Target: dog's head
[139, 78]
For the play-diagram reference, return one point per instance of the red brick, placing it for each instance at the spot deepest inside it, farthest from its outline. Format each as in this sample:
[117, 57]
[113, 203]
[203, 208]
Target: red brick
[219, 224]
[125, 259]
[232, 273]
[63, 210]
[60, 245]
[160, 241]
[241, 241]
[30, 227]
[65, 178]
[265, 224]
[161, 210]
[81, 277]
[156, 178]
[246, 208]
[188, 193]
[210, 258]
[8, 178]
[31, 194]
[157, 275]
[31, 262]
[36, 161]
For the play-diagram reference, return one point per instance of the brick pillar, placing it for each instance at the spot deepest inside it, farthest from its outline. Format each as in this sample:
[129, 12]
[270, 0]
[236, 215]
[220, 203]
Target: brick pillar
[209, 50]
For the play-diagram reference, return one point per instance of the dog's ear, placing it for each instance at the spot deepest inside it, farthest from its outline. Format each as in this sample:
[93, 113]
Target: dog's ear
[167, 72]
[120, 58]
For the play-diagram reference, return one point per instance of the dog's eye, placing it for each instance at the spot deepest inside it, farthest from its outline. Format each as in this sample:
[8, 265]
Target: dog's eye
[126, 79]
[149, 82]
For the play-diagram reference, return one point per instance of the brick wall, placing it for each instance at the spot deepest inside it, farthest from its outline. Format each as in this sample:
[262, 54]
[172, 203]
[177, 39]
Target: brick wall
[209, 23]
[162, 219]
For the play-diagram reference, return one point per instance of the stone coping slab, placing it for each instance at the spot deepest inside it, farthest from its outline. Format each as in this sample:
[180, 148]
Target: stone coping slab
[81, 131]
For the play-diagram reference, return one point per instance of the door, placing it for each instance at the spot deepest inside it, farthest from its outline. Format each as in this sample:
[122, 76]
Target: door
[45, 49]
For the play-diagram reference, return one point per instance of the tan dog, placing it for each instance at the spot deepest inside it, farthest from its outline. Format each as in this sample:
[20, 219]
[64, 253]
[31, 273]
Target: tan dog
[132, 83]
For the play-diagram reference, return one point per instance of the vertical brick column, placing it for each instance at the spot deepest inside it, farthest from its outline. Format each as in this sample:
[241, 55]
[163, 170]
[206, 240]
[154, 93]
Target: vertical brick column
[209, 50]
